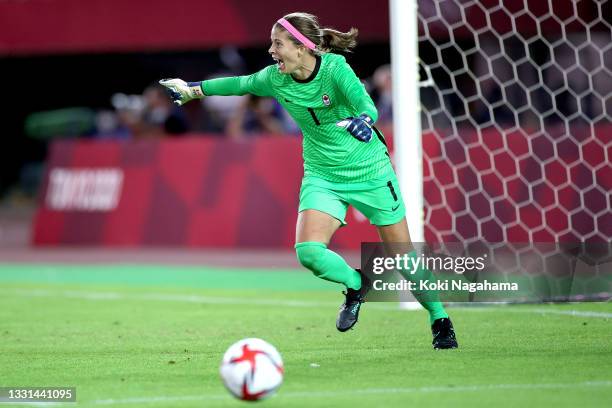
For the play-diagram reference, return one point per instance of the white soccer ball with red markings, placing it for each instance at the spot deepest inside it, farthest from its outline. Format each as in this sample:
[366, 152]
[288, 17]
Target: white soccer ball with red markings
[252, 369]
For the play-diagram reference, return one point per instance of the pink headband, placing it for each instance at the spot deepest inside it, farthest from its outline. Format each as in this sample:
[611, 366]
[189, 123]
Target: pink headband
[299, 36]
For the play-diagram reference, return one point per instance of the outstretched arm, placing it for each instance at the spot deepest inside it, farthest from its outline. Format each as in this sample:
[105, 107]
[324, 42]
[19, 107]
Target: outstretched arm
[182, 92]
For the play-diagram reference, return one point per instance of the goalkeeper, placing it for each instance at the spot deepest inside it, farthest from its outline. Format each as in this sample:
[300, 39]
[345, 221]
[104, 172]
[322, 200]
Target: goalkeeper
[345, 157]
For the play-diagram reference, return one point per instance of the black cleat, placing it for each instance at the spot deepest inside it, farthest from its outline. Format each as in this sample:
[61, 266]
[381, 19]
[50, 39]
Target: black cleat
[443, 334]
[349, 311]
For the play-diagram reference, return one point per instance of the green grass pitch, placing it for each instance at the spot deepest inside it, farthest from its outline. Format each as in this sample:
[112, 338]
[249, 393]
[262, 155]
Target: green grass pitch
[153, 336]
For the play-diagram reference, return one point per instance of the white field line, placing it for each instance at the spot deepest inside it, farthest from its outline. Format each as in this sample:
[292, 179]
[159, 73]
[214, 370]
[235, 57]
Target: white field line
[577, 313]
[108, 296]
[34, 404]
[366, 391]
[216, 300]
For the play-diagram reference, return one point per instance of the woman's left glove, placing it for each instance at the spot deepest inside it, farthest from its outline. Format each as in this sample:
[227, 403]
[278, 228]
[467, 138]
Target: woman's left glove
[360, 128]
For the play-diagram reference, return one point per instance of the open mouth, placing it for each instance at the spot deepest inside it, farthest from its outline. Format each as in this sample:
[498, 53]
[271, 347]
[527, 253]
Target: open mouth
[279, 63]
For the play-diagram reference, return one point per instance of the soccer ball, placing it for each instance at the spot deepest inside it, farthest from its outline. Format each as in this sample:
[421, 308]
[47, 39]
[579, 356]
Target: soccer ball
[252, 369]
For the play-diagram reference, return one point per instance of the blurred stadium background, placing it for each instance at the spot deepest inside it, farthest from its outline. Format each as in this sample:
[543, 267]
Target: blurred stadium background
[515, 115]
[98, 167]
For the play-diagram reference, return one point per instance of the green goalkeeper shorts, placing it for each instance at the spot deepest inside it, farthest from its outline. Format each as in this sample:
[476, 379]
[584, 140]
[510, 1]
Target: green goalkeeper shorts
[380, 201]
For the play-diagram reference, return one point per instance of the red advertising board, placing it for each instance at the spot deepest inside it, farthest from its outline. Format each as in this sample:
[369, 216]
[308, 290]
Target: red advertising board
[193, 192]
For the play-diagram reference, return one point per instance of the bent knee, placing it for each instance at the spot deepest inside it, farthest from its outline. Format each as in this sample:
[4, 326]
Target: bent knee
[310, 255]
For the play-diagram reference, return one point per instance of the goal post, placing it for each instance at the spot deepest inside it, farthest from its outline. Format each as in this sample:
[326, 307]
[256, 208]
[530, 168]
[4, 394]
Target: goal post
[407, 125]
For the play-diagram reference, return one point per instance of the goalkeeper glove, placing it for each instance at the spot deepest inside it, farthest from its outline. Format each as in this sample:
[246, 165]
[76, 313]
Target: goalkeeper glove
[360, 128]
[182, 92]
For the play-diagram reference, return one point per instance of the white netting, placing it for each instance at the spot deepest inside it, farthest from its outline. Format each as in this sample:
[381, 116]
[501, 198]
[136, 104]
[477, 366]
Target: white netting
[517, 129]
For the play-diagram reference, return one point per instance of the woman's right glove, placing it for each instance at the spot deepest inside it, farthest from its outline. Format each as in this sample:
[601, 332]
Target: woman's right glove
[182, 92]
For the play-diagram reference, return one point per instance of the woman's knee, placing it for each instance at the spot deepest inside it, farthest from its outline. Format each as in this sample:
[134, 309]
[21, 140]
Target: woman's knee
[310, 255]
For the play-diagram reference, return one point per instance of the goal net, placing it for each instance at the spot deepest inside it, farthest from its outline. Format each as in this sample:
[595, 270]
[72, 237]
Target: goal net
[516, 109]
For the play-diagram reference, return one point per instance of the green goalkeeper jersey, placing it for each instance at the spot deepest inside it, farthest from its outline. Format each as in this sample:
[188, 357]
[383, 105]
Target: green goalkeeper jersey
[331, 93]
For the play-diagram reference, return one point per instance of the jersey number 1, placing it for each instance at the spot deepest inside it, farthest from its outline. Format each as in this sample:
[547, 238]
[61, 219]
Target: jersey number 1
[314, 117]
